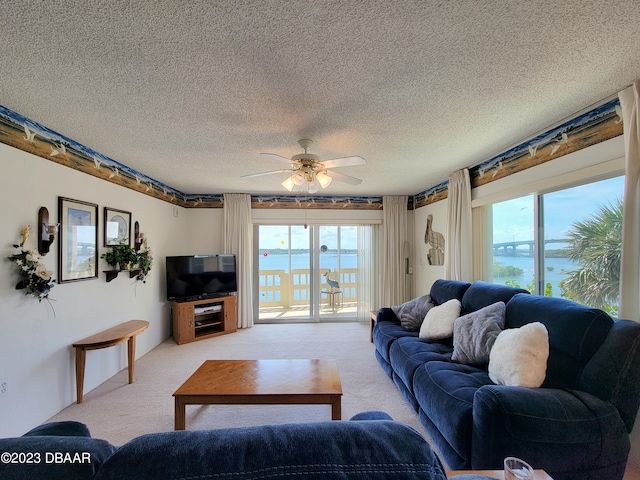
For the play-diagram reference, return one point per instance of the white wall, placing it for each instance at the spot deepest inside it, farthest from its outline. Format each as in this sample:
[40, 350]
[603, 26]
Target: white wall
[36, 356]
[205, 231]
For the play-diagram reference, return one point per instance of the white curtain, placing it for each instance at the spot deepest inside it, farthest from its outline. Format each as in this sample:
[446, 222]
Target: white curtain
[458, 253]
[238, 239]
[629, 306]
[394, 236]
[367, 272]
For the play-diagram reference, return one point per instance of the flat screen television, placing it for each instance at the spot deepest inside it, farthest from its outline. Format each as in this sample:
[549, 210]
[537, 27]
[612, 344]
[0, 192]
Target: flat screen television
[194, 277]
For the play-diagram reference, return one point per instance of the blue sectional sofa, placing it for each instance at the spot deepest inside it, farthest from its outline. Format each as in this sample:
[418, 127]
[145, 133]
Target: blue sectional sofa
[575, 426]
[369, 447]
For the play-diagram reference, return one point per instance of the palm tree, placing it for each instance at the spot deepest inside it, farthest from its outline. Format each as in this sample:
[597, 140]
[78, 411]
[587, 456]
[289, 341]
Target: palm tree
[596, 246]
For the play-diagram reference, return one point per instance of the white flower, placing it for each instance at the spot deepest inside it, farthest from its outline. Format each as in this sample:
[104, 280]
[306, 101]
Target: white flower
[32, 256]
[43, 273]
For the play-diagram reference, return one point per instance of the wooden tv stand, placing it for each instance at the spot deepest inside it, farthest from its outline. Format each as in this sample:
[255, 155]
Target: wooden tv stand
[205, 318]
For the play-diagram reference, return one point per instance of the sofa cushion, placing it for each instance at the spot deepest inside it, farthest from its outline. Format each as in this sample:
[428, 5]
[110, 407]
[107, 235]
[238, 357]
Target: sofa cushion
[443, 290]
[445, 392]
[519, 356]
[412, 313]
[475, 333]
[481, 294]
[439, 321]
[405, 392]
[576, 332]
[385, 333]
[374, 449]
[409, 353]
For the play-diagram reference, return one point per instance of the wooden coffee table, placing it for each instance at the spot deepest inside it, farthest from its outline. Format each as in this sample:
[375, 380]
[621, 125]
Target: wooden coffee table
[261, 382]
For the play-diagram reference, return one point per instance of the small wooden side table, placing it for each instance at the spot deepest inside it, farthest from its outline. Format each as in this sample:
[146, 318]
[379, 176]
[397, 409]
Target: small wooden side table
[108, 338]
[333, 301]
[372, 322]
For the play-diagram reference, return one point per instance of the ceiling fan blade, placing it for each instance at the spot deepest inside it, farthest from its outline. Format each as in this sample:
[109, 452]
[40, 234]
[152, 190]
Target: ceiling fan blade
[341, 177]
[277, 157]
[267, 173]
[343, 162]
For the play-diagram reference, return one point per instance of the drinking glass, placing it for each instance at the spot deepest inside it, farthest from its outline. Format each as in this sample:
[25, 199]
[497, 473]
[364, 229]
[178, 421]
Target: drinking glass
[516, 469]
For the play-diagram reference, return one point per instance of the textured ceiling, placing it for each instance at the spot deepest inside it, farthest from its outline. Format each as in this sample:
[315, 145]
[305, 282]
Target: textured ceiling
[190, 92]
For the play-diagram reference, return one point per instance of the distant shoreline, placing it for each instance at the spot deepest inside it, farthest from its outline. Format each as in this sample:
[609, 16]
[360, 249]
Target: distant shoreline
[296, 251]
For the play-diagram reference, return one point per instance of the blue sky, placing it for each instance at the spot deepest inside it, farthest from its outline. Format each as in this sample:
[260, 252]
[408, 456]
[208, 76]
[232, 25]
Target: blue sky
[275, 236]
[513, 219]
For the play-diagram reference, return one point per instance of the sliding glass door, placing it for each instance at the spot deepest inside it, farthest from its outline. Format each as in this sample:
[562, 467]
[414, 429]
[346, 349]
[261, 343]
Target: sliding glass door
[338, 263]
[307, 274]
[284, 273]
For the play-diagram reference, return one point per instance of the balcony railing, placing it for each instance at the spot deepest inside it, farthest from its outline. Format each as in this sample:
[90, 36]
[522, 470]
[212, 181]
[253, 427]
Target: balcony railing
[279, 288]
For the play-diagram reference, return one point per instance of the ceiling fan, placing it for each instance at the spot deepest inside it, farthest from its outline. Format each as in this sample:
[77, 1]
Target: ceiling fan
[309, 173]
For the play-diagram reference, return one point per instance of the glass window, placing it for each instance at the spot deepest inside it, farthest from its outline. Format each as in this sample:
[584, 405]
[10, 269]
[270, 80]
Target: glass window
[565, 243]
[513, 243]
[582, 243]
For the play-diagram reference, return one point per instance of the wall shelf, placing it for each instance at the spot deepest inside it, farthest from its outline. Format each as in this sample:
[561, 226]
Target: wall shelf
[111, 274]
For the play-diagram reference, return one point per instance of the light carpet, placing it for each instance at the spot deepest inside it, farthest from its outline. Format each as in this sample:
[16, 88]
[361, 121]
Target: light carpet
[117, 411]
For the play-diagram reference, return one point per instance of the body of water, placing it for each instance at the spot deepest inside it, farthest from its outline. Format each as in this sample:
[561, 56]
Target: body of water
[280, 261]
[554, 271]
[555, 267]
[301, 261]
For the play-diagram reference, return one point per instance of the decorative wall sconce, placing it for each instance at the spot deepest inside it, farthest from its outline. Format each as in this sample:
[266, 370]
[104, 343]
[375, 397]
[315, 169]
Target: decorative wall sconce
[138, 236]
[46, 231]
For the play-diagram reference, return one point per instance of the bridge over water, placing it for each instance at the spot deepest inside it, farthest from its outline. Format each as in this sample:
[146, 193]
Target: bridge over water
[509, 249]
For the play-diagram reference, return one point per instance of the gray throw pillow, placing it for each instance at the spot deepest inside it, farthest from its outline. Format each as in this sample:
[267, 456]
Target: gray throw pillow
[412, 313]
[475, 333]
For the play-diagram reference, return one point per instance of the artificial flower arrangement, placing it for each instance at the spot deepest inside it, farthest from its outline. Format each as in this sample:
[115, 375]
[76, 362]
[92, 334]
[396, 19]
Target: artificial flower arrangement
[36, 280]
[144, 259]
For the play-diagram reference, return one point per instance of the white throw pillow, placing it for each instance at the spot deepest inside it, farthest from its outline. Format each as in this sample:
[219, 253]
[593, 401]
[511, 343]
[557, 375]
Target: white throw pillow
[519, 356]
[439, 321]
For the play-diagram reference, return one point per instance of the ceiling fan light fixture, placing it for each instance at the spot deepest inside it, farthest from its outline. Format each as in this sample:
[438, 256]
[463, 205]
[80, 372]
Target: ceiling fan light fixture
[312, 185]
[307, 173]
[289, 184]
[298, 178]
[323, 179]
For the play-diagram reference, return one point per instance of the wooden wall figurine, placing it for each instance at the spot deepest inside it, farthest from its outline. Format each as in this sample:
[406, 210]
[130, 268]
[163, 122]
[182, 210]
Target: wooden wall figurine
[436, 240]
